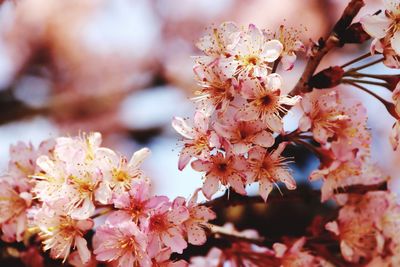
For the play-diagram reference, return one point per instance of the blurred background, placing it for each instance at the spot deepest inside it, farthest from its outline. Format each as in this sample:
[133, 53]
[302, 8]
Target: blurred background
[124, 68]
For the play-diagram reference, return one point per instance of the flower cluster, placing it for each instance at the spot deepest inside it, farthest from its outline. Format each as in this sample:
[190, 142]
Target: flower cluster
[367, 227]
[244, 254]
[339, 125]
[239, 109]
[384, 26]
[53, 194]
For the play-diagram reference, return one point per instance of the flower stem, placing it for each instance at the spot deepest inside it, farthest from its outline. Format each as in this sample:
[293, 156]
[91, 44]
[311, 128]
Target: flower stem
[365, 82]
[356, 60]
[366, 65]
[389, 106]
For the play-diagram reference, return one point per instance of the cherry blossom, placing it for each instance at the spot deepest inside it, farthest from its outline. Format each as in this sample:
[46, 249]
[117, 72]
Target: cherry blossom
[340, 174]
[218, 39]
[339, 122]
[225, 168]
[357, 226]
[199, 139]
[268, 169]
[120, 240]
[199, 215]
[265, 101]
[165, 227]
[13, 207]
[137, 202]
[118, 173]
[296, 255]
[216, 92]
[242, 135]
[385, 25]
[251, 55]
[60, 233]
[291, 44]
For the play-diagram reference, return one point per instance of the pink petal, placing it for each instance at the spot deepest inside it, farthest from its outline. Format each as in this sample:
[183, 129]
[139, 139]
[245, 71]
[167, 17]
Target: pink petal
[248, 88]
[210, 186]
[272, 50]
[304, 123]
[392, 5]
[203, 213]
[174, 240]
[138, 157]
[228, 67]
[333, 227]
[84, 211]
[240, 148]
[264, 139]
[184, 158]
[395, 42]
[84, 252]
[202, 166]
[274, 81]
[286, 177]
[178, 215]
[201, 122]
[182, 128]
[265, 188]
[376, 25]
[288, 61]
[279, 249]
[236, 182]
[196, 234]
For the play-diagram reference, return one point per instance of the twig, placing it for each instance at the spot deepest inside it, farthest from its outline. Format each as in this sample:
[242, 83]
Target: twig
[236, 199]
[324, 46]
[356, 60]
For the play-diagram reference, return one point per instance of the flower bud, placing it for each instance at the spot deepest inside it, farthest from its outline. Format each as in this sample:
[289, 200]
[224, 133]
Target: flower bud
[327, 78]
[354, 34]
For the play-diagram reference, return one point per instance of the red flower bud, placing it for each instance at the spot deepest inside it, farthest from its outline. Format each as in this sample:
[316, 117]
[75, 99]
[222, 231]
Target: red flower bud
[354, 34]
[327, 78]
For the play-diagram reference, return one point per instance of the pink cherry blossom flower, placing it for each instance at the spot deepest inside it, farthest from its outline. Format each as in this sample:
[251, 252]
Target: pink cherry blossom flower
[60, 233]
[330, 117]
[218, 39]
[357, 226]
[163, 260]
[291, 44]
[268, 169]
[118, 173]
[225, 168]
[297, 256]
[137, 201]
[50, 179]
[22, 163]
[242, 135]
[212, 259]
[75, 260]
[216, 92]
[165, 227]
[340, 174]
[120, 240]
[385, 25]
[199, 215]
[265, 101]
[13, 207]
[199, 140]
[252, 55]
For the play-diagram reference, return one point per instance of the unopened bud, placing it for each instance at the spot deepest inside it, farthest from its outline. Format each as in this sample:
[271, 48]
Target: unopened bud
[354, 34]
[327, 78]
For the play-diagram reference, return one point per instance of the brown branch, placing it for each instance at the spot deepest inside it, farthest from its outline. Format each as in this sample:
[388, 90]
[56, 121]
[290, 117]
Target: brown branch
[325, 45]
[233, 199]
